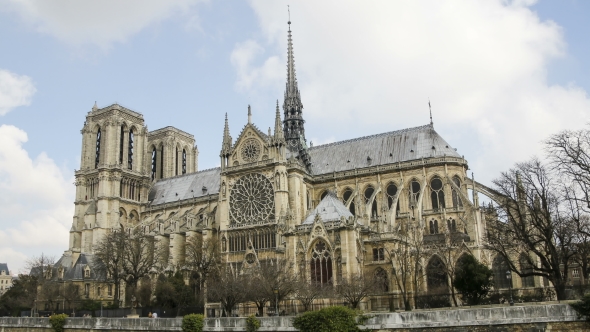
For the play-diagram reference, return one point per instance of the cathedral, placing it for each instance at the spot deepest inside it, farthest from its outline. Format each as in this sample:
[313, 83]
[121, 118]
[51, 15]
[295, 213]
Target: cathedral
[331, 210]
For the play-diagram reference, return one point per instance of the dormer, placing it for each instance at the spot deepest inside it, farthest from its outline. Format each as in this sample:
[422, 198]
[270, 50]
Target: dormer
[60, 272]
[86, 271]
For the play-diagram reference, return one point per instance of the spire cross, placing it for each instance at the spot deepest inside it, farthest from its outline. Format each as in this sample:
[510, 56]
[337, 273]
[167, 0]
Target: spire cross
[289, 11]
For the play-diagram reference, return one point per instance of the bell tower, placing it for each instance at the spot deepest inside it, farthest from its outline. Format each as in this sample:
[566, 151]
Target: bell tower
[112, 182]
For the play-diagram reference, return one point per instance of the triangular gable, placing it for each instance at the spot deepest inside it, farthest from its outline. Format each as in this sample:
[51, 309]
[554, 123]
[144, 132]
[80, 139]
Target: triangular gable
[329, 209]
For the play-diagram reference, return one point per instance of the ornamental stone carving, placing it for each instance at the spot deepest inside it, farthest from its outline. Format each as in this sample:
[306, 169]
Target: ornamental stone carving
[250, 151]
[251, 200]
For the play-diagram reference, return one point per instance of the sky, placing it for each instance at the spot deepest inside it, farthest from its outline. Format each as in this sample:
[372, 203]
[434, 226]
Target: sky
[501, 77]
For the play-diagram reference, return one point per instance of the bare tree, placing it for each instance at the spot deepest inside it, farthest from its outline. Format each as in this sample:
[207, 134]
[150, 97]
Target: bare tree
[354, 289]
[70, 293]
[229, 287]
[109, 263]
[405, 255]
[450, 253]
[307, 292]
[49, 292]
[139, 257]
[533, 224]
[569, 154]
[203, 259]
[40, 266]
[272, 280]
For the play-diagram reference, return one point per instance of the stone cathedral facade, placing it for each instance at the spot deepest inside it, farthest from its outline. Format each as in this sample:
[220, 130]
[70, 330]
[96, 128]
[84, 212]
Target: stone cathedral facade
[329, 209]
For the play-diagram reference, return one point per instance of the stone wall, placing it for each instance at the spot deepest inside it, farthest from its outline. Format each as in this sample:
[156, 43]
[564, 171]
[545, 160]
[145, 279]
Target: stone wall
[549, 317]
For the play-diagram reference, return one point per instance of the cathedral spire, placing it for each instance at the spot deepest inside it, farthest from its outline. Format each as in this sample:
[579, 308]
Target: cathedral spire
[279, 135]
[292, 107]
[226, 144]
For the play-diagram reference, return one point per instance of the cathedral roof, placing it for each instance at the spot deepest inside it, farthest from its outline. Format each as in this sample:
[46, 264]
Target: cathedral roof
[329, 209]
[186, 186]
[4, 267]
[381, 149]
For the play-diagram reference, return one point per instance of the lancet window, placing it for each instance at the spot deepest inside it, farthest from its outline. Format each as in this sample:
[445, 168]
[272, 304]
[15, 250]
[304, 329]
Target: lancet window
[261, 239]
[346, 197]
[321, 264]
[154, 162]
[121, 144]
[176, 161]
[97, 155]
[500, 267]
[368, 194]
[162, 163]
[414, 194]
[452, 225]
[437, 195]
[391, 192]
[436, 277]
[457, 202]
[433, 226]
[92, 188]
[183, 161]
[130, 150]
[381, 281]
[526, 267]
[129, 189]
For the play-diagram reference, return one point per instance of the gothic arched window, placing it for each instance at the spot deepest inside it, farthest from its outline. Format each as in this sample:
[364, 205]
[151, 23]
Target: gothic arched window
[321, 264]
[154, 162]
[368, 194]
[176, 163]
[97, 156]
[526, 267]
[414, 193]
[437, 195]
[346, 197]
[391, 192]
[436, 277]
[162, 162]
[500, 267]
[452, 225]
[381, 281]
[130, 150]
[121, 141]
[457, 202]
[433, 226]
[183, 161]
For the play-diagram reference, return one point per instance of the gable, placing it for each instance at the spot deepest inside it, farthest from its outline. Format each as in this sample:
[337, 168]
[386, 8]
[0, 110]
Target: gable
[250, 147]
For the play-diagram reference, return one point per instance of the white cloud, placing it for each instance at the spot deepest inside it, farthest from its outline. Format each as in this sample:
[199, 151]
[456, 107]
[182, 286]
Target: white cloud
[365, 68]
[35, 204]
[15, 90]
[97, 22]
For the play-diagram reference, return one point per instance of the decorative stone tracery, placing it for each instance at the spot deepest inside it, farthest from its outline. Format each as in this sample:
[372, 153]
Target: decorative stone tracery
[251, 200]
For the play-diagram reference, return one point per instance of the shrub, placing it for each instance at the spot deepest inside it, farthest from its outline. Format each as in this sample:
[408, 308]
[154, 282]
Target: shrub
[192, 323]
[327, 320]
[582, 307]
[252, 324]
[57, 322]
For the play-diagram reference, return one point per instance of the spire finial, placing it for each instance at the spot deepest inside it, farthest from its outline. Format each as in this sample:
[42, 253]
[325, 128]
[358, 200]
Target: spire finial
[430, 108]
[95, 107]
[249, 114]
[289, 12]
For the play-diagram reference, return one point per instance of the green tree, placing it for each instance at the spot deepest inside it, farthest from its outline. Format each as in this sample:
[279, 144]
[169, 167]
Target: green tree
[473, 279]
[21, 296]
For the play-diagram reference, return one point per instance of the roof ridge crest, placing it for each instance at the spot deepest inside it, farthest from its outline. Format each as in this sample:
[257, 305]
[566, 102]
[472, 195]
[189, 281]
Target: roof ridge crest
[399, 131]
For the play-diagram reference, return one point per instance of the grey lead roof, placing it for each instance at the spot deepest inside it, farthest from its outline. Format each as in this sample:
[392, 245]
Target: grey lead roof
[185, 186]
[329, 209]
[4, 267]
[387, 148]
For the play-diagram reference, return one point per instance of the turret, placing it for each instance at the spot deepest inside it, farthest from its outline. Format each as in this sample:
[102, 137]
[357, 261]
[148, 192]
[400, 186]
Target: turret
[227, 142]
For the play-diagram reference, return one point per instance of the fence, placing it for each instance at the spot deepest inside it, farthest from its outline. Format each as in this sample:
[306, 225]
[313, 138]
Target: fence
[122, 312]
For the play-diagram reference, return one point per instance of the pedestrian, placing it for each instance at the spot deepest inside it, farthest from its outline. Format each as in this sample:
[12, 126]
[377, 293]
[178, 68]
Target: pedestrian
[155, 315]
[150, 314]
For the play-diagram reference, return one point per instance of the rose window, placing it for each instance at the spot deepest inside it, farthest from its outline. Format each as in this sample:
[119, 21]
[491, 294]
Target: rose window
[251, 199]
[251, 150]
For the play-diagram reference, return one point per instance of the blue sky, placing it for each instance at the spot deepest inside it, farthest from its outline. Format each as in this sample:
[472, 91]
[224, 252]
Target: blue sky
[501, 76]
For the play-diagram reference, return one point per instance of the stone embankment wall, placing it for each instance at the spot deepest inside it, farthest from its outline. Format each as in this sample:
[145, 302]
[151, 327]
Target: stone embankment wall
[552, 317]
